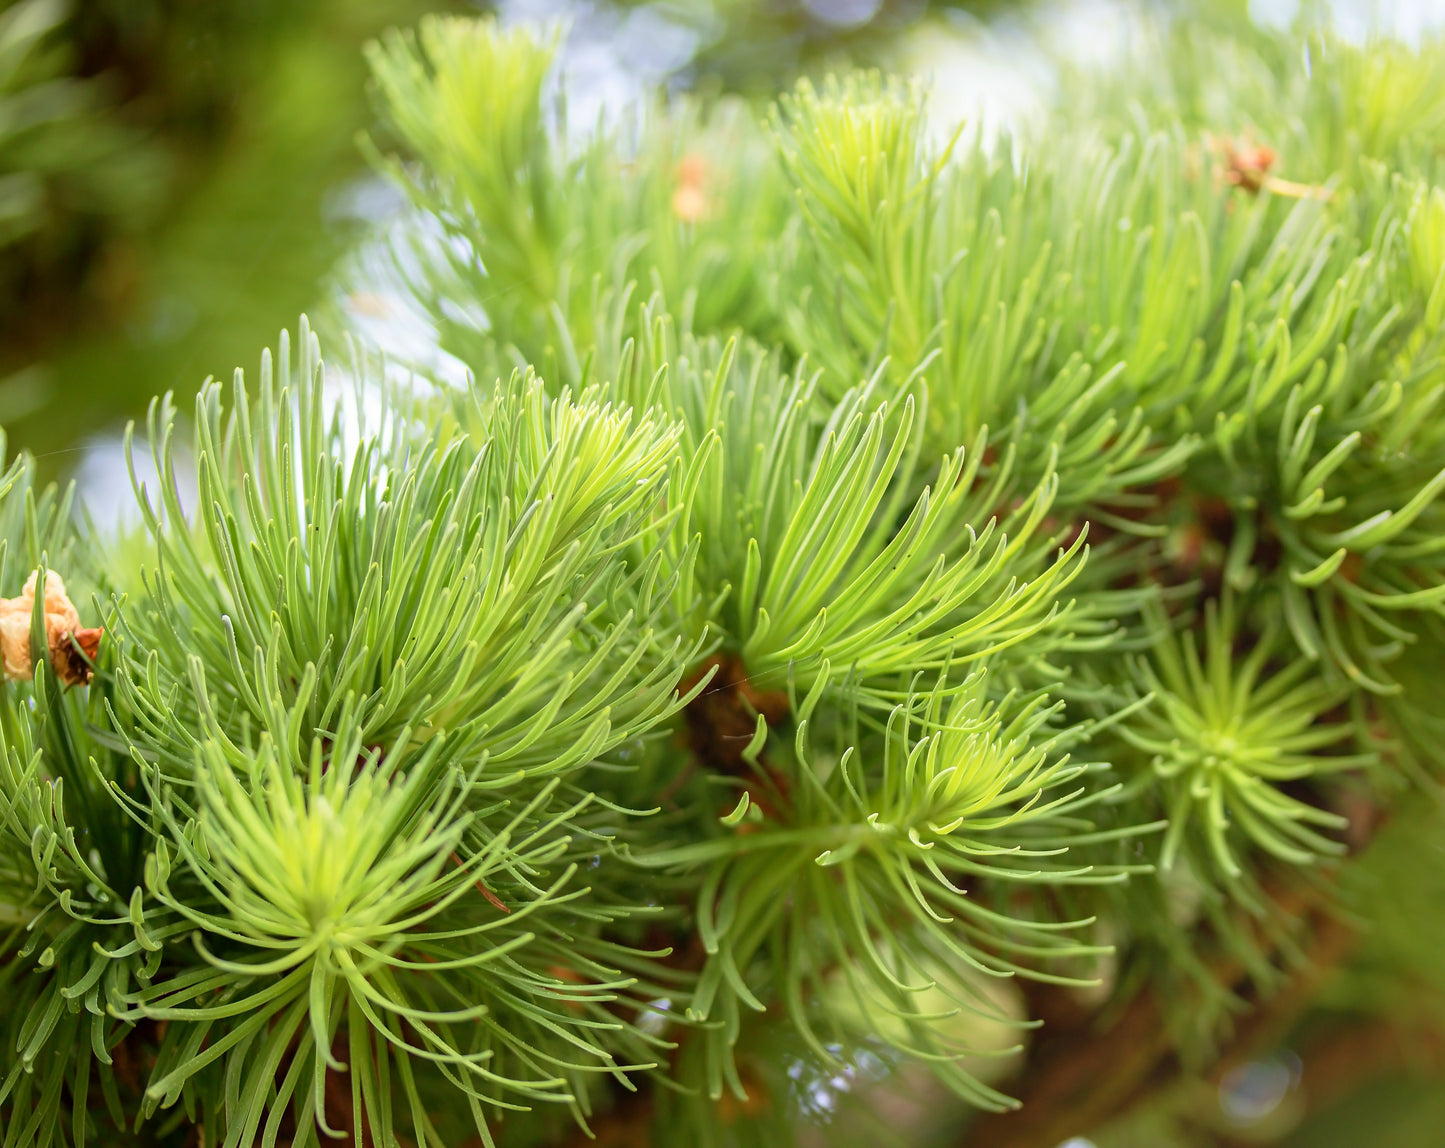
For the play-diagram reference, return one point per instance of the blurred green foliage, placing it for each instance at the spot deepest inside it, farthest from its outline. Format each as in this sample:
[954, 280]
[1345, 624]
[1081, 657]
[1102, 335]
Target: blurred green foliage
[174, 174]
[64, 157]
[168, 180]
[752, 46]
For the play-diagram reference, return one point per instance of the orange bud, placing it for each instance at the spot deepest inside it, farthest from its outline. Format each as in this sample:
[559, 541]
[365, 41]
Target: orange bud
[689, 203]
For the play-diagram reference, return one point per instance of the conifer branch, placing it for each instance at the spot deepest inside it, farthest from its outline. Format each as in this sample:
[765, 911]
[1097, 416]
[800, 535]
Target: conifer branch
[863, 571]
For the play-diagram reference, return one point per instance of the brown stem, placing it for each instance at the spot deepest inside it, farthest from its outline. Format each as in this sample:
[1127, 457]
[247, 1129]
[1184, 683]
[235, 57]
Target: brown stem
[1081, 1076]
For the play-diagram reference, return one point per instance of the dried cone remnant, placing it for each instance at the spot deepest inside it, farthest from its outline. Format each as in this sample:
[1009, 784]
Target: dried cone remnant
[1248, 167]
[62, 624]
[1248, 164]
